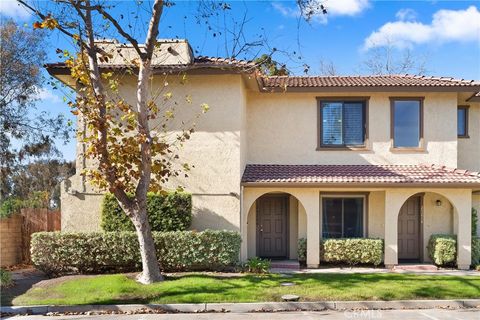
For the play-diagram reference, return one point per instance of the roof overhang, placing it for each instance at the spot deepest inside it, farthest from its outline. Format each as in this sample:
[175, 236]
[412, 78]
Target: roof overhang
[373, 89]
[473, 186]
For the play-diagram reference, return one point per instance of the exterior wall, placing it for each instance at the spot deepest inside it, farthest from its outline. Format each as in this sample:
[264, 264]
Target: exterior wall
[213, 152]
[436, 219]
[469, 148]
[376, 214]
[290, 119]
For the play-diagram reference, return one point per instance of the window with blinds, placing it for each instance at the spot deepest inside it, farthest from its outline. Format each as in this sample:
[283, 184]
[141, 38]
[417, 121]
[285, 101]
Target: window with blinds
[342, 123]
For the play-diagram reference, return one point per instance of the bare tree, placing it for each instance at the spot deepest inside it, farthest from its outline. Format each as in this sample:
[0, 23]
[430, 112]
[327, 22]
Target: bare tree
[387, 59]
[327, 68]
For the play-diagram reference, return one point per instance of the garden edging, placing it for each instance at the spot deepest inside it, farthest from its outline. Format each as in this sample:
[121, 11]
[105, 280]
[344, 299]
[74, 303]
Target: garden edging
[245, 307]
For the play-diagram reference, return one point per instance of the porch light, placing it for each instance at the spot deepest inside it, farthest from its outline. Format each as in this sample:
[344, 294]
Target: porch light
[438, 203]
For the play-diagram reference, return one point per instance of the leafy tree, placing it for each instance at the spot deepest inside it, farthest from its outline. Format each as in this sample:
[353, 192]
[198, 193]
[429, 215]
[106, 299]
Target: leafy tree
[44, 176]
[132, 158]
[271, 67]
[24, 132]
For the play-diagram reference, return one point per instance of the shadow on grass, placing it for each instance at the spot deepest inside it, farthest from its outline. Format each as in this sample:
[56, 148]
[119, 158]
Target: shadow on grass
[202, 288]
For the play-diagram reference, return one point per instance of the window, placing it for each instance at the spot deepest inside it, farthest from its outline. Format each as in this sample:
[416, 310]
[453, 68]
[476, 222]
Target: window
[407, 118]
[462, 122]
[342, 123]
[342, 217]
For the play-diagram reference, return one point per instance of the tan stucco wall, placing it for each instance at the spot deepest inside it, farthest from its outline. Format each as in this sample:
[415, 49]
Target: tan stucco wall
[469, 148]
[290, 120]
[436, 219]
[213, 152]
[376, 214]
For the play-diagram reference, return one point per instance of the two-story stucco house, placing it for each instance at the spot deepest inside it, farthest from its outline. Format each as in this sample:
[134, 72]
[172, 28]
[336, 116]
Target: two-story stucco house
[287, 157]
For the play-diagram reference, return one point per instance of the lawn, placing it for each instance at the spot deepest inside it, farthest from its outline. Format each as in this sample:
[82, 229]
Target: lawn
[198, 288]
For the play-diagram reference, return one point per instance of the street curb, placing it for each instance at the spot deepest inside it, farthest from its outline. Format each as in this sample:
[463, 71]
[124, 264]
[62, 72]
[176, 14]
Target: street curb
[245, 307]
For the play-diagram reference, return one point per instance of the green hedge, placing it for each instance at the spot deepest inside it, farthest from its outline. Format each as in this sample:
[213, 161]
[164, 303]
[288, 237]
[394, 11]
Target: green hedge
[442, 249]
[57, 253]
[166, 212]
[475, 251]
[350, 251]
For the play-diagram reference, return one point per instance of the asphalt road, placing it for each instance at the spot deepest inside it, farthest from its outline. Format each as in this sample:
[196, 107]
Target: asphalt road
[431, 314]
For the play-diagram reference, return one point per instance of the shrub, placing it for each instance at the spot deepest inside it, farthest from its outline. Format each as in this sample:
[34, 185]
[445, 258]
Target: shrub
[302, 250]
[442, 249]
[58, 253]
[5, 278]
[258, 265]
[353, 251]
[166, 212]
[475, 251]
[474, 222]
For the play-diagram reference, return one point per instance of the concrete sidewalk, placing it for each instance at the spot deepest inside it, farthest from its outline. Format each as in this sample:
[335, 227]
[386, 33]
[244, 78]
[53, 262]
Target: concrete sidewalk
[245, 307]
[366, 270]
[428, 314]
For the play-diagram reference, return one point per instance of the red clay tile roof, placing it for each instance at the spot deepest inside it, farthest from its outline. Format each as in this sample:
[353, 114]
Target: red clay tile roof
[405, 80]
[358, 174]
[199, 62]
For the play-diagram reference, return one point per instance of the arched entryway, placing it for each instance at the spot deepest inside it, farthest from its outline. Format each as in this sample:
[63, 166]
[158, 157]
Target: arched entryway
[421, 216]
[275, 222]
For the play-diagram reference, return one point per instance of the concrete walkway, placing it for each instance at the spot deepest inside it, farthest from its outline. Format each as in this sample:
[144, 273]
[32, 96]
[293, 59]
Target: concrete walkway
[343, 270]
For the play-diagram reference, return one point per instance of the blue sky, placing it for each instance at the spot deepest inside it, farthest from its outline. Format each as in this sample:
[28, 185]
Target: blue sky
[447, 32]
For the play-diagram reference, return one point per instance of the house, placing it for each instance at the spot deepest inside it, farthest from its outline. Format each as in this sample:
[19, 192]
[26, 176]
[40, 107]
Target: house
[286, 157]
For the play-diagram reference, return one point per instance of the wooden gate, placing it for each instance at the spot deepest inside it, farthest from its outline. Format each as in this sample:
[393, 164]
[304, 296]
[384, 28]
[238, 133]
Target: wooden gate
[37, 220]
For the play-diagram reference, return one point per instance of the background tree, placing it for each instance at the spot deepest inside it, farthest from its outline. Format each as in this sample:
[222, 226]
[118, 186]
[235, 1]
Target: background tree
[271, 67]
[387, 59]
[25, 133]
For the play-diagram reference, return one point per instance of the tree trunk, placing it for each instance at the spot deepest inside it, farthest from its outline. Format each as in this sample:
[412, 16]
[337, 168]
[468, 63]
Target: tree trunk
[150, 268]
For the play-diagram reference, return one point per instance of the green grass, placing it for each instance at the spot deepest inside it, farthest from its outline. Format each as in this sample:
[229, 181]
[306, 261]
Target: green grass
[198, 288]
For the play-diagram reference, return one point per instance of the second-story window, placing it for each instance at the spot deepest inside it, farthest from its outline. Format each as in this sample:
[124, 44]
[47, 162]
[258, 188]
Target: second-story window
[342, 123]
[407, 118]
[462, 121]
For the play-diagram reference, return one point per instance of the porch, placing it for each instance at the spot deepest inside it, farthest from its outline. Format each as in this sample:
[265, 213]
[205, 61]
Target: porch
[276, 214]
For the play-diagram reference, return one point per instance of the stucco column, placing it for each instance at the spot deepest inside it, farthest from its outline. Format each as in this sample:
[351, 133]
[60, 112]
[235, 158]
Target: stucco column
[391, 228]
[312, 208]
[463, 210]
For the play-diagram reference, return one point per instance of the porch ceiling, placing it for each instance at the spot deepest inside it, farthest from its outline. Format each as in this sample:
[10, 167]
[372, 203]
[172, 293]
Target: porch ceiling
[359, 175]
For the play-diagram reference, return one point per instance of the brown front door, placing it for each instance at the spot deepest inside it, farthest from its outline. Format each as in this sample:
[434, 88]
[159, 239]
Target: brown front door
[409, 230]
[272, 226]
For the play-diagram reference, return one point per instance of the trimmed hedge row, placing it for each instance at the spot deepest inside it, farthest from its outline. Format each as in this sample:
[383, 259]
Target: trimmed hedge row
[57, 253]
[350, 251]
[442, 249]
[475, 251]
[166, 212]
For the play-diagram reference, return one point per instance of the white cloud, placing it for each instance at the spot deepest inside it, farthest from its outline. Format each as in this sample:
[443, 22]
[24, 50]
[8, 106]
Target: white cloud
[334, 8]
[13, 9]
[446, 26]
[47, 95]
[345, 7]
[406, 14]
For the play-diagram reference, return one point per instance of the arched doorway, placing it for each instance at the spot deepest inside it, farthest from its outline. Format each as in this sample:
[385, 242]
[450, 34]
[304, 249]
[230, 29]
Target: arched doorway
[276, 220]
[420, 216]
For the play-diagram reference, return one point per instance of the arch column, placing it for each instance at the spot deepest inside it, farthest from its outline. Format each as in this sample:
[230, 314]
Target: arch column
[311, 203]
[463, 210]
[392, 208]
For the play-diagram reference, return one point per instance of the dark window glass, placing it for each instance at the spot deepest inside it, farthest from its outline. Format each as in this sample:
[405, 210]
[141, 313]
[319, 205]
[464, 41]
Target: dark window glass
[343, 123]
[462, 122]
[342, 218]
[406, 126]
